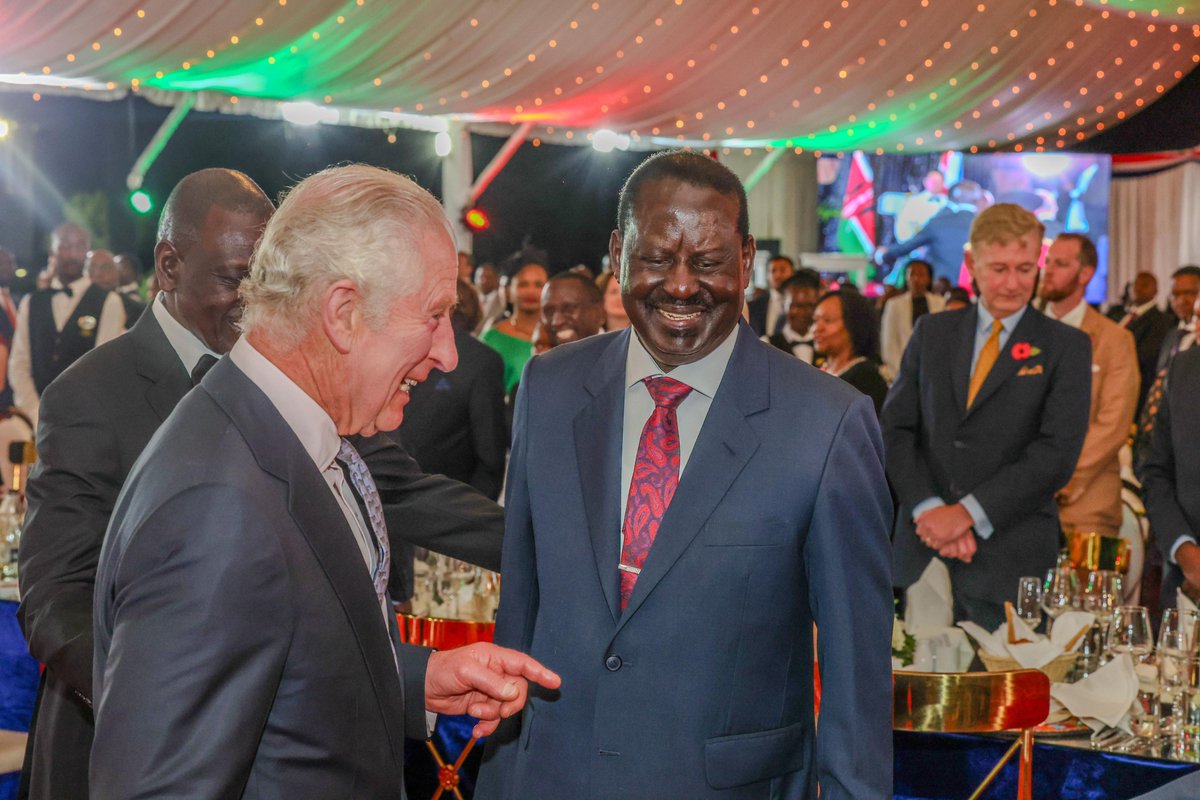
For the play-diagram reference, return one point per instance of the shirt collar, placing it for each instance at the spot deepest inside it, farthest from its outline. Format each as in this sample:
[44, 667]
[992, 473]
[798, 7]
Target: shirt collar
[793, 337]
[186, 344]
[704, 376]
[1142, 309]
[76, 286]
[1074, 317]
[312, 426]
[1008, 323]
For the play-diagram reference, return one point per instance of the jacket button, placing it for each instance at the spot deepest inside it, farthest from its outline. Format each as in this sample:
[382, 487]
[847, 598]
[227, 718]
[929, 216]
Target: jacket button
[612, 663]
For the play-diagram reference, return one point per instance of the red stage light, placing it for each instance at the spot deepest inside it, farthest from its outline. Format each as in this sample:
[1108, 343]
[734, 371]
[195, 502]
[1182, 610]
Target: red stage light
[477, 220]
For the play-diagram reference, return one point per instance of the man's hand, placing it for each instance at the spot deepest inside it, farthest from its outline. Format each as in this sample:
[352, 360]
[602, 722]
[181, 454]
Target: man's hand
[1188, 559]
[484, 680]
[940, 526]
[963, 548]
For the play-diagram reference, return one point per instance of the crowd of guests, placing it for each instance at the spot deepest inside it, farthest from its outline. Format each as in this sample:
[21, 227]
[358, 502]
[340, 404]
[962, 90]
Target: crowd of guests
[994, 419]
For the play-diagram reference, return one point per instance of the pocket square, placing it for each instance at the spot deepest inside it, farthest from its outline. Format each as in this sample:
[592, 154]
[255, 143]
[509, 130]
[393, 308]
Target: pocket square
[1034, 370]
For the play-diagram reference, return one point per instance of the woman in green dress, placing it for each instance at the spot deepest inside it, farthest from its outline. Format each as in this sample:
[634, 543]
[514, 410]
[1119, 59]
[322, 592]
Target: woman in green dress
[512, 337]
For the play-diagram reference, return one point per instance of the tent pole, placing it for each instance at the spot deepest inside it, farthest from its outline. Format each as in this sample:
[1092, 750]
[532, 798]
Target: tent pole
[158, 142]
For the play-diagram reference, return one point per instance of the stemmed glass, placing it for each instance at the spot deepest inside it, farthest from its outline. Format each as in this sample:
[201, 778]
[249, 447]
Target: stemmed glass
[1102, 596]
[1029, 600]
[1130, 633]
[1059, 592]
[1176, 644]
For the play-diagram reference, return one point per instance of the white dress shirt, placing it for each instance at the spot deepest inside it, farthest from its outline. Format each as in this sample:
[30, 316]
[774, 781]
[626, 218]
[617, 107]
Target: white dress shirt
[1074, 317]
[186, 344]
[802, 345]
[775, 302]
[704, 376]
[20, 363]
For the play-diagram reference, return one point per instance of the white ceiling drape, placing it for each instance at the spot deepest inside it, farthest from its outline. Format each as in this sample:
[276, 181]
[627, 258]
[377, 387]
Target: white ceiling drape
[822, 74]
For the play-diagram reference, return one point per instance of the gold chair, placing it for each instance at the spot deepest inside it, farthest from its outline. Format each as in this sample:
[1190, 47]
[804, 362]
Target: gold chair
[976, 702]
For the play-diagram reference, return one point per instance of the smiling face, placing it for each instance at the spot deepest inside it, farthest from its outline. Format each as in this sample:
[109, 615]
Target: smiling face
[526, 288]
[1005, 273]
[685, 266]
[383, 364]
[569, 312]
[830, 336]
[201, 282]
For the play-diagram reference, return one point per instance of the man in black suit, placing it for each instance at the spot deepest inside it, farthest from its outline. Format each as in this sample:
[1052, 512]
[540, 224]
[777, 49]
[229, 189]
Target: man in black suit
[95, 421]
[1149, 325]
[245, 642]
[985, 424]
[945, 235]
[1171, 477]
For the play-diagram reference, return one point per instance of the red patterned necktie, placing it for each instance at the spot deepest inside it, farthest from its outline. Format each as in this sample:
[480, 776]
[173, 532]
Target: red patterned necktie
[655, 477]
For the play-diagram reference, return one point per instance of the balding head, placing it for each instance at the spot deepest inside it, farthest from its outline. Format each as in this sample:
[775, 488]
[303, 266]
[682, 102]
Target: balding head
[101, 269]
[207, 233]
[187, 207]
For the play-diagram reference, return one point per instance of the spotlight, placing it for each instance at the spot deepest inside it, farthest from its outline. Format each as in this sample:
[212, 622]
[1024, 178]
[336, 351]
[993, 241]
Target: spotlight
[477, 220]
[441, 144]
[141, 201]
[605, 141]
[309, 113]
[5, 128]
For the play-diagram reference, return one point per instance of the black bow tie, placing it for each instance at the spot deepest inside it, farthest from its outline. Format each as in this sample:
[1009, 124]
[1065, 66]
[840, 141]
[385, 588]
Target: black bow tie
[202, 367]
[64, 290]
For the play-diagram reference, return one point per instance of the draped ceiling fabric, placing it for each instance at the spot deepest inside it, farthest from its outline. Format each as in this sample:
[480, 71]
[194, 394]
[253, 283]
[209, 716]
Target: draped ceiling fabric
[911, 75]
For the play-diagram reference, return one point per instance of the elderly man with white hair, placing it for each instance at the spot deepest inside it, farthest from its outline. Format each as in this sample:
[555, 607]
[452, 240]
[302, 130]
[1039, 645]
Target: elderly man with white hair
[245, 645]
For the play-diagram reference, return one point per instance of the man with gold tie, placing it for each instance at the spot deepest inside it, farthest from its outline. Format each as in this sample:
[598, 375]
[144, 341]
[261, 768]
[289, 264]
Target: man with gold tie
[985, 424]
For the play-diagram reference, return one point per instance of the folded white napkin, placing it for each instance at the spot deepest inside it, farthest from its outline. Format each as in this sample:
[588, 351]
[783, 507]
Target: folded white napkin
[1037, 651]
[928, 603]
[1102, 698]
[994, 644]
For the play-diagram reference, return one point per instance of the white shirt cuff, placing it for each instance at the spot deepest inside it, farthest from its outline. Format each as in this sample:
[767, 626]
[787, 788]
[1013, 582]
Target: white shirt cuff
[983, 526]
[430, 722]
[1182, 540]
[925, 505]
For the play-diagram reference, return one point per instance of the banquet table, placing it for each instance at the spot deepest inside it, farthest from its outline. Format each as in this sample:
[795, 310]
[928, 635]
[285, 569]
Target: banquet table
[941, 766]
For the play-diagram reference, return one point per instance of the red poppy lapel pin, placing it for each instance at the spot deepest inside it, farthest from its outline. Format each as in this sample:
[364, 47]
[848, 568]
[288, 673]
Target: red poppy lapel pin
[1023, 350]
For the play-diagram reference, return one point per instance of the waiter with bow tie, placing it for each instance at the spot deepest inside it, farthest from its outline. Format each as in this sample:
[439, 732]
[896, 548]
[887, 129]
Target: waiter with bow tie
[660, 560]
[800, 293]
[57, 325]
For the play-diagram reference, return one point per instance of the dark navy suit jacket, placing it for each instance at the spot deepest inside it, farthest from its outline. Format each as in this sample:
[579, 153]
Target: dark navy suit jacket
[1013, 449]
[703, 686]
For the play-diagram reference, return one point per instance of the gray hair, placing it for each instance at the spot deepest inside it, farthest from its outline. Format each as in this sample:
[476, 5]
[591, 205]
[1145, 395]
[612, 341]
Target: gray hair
[355, 222]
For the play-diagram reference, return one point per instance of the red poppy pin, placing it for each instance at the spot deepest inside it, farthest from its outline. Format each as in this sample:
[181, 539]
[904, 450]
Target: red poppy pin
[1023, 350]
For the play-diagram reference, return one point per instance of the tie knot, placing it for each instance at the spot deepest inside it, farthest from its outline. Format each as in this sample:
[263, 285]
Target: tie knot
[667, 392]
[997, 327]
[348, 455]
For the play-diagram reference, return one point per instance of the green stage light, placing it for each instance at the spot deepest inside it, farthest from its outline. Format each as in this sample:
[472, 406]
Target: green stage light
[141, 201]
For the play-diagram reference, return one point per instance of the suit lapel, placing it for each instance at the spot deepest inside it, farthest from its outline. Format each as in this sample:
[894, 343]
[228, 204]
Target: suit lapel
[159, 364]
[962, 359]
[1006, 365]
[724, 446]
[597, 430]
[317, 515]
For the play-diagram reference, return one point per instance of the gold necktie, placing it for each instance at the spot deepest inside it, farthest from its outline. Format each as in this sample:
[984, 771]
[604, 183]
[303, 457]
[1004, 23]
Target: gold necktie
[987, 359]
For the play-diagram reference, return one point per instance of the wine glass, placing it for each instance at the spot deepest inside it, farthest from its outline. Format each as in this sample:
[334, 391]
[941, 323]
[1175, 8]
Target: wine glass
[1176, 644]
[1102, 596]
[1029, 600]
[1130, 633]
[1058, 593]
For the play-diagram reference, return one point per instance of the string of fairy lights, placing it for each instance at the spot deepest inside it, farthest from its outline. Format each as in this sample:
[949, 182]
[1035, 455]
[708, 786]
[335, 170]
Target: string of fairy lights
[941, 74]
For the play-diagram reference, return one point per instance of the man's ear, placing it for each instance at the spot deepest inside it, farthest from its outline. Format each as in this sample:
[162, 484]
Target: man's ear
[341, 314]
[167, 263]
[748, 250]
[616, 244]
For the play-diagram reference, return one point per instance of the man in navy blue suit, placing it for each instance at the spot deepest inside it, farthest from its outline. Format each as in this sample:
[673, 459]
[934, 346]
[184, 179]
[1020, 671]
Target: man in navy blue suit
[984, 425]
[658, 558]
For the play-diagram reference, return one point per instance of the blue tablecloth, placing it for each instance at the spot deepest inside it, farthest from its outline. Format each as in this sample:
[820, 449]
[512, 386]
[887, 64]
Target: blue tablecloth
[18, 684]
[931, 766]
